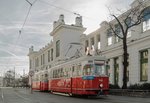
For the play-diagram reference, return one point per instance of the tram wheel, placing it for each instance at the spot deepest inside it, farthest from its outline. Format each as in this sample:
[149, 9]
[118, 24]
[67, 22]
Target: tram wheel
[70, 94]
[51, 92]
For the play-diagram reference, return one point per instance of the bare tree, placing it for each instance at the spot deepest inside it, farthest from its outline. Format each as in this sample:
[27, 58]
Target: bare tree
[127, 20]
[9, 78]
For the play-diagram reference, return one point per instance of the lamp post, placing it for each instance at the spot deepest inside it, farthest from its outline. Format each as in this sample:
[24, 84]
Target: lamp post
[31, 73]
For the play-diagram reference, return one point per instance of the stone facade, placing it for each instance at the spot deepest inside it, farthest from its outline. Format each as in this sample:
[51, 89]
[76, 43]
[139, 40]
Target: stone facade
[65, 44]
[69, 39]
[138, 41]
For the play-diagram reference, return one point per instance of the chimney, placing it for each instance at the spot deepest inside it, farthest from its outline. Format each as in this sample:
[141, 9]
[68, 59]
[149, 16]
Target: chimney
[59, 21]
[78, 21]
[31, 49]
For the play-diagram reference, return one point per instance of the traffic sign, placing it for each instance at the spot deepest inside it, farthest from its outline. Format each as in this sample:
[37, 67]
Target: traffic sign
[31, 73]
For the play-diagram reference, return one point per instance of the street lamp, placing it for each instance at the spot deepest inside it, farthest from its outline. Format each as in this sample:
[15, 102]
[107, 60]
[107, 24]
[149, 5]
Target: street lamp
[31, 73]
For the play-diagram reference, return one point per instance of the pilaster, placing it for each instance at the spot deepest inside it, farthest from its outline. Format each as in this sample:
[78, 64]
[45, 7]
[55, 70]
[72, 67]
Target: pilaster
[111, 79]
[120, 71]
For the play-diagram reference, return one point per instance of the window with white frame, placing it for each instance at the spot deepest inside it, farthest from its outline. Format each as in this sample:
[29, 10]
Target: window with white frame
[58, 48]
[110, 40]
[146, 19]
[109, 37]
[144, 65]
[99, 45]
[129, 34]
[86, 45]
[52, 54]
[30, 63]
[43, 58]
[48, 55]
[99, 42]
[118, 32]
[92, 42]
[146, 25]
[128, 23]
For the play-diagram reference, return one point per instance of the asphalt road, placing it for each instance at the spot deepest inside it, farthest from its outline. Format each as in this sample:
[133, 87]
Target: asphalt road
[20, 95]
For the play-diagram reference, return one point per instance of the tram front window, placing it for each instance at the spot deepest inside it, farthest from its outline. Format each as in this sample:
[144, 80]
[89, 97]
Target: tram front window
[100, 69]
[88, 69]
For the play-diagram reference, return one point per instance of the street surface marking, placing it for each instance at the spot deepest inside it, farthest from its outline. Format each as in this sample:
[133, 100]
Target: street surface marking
[2, 95]
[22, 97]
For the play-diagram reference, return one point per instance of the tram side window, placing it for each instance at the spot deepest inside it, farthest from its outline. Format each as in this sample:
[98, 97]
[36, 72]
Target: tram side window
[53, 74]
[50, 74]
[36, 78]
[66, 72]
[78, 67]
[100, 69]
[87, 69]
[46, 76]
[41, 77]
[73, 71]
[61, 72]
[58, 73]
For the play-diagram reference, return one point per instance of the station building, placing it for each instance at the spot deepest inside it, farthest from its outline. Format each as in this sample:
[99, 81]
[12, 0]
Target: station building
[69, 42]
[64, 45]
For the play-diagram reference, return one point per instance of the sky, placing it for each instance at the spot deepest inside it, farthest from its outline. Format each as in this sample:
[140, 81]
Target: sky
[35, 30]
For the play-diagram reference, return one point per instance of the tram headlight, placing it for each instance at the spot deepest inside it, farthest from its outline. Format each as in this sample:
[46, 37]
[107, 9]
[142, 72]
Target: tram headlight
[101, 85]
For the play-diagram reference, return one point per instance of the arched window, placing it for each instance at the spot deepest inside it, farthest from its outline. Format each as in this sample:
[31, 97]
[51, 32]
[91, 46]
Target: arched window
[146, 19]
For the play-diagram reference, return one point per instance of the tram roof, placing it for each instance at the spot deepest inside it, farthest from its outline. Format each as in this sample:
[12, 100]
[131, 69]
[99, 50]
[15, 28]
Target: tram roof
[78, 60]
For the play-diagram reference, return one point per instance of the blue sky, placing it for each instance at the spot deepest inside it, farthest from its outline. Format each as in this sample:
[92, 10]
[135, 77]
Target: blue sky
[14, 48]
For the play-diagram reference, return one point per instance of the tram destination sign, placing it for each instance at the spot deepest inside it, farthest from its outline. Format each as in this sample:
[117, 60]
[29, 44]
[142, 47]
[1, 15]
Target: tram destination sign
[99, 61]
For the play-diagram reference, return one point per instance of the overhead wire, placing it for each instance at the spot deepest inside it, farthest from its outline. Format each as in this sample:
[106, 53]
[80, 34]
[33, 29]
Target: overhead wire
[57, 7]
[29, 10]
[31, 4]
[20, 31]
[69, 11]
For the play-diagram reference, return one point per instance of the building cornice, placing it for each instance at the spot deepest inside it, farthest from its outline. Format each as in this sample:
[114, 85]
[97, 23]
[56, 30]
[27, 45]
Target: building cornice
[67, 26]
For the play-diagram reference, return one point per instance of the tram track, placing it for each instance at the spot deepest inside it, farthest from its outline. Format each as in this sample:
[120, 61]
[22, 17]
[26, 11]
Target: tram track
[7, 97]
[2, 95]
[15, 95]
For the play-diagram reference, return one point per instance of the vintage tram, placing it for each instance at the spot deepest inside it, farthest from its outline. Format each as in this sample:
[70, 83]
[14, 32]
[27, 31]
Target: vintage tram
[82, 76]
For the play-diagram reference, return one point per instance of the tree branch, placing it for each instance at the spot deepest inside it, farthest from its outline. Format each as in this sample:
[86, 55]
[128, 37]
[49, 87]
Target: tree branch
[121, 26]
[115, 32]
[125, 21]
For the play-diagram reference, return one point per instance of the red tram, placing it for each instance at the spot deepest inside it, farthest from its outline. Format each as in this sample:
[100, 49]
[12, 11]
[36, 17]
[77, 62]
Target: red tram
[44, 81]
[40, 81]
[83, 76]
